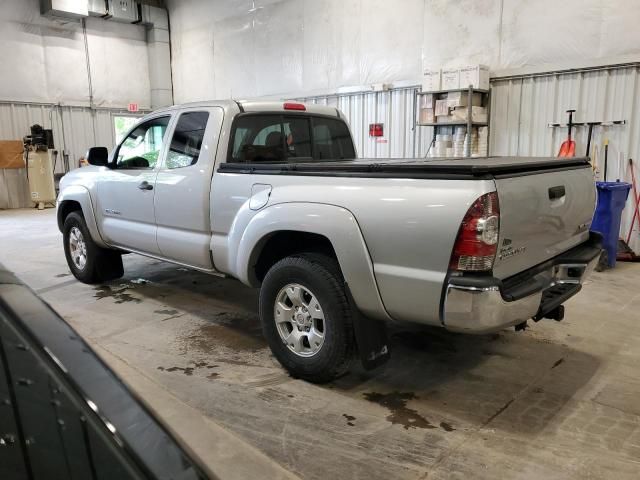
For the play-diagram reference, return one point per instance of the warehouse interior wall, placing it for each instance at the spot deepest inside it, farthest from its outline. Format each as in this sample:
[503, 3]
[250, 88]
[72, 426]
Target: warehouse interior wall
[74, 79]
[252, 48]
[44, 60]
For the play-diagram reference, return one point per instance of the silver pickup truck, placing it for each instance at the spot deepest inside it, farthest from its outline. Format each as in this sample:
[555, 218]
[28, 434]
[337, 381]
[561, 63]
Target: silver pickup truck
[273, 195]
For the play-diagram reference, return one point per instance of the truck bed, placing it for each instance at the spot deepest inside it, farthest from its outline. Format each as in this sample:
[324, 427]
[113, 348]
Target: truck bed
[458, 168]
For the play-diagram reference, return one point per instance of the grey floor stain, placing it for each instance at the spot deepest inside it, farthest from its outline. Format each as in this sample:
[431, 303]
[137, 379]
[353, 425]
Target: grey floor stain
[446, 427]
[396, 402]
[166, 312]
[350, 419]
[119, 295]
[189, 370]
[235, 331]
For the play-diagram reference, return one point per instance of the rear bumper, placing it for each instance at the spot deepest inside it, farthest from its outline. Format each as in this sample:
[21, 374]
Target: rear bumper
[486, 304]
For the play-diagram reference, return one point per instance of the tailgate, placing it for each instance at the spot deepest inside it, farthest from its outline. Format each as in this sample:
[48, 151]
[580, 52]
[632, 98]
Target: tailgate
[542, 215]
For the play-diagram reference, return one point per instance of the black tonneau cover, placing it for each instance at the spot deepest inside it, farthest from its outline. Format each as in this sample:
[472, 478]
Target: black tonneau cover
[479, 167]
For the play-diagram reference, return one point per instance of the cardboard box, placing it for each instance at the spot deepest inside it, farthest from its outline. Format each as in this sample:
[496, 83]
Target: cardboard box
[445, 119]
[11, 154]
[427, 115]
[451, 79]
[442, 107]
[460, 99]
[427, 101]
[478, 114]
[431, 80]
[475, 75]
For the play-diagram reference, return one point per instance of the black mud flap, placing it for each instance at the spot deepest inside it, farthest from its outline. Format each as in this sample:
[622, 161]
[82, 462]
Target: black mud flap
[371, 337]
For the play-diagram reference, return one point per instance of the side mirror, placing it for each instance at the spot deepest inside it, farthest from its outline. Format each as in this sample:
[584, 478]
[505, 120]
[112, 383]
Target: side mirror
[98, 156]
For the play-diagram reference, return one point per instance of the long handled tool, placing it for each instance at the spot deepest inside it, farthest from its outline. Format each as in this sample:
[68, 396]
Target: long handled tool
[636, 198]
[606, 157]
[625, 253]
[568, 147]
[591, 124]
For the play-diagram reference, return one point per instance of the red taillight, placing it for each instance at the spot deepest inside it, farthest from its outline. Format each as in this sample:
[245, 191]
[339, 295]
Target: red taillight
[477, 241]
[294, 106]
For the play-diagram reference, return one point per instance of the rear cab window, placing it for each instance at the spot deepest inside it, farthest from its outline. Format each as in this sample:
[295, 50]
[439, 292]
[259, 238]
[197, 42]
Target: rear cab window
[278, 138]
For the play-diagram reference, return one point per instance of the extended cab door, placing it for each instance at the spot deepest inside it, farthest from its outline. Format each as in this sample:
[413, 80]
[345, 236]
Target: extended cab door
[183, 185]
[126, 191]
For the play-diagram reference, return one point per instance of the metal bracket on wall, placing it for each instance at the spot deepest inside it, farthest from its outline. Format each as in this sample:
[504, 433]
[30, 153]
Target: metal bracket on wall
[586, 124]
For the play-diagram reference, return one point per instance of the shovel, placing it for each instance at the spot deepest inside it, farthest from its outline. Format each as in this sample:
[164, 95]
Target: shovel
[568, 147]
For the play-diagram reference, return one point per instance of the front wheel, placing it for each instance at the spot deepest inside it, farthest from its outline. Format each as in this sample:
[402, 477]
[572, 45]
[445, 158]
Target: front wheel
[88, 262]
[306, 317]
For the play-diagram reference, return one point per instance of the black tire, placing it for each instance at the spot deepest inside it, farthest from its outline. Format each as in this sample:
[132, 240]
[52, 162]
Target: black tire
[101, 264]
[321, 275]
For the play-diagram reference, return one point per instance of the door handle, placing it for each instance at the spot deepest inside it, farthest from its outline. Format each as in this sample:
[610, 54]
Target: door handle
[145, 186]
[556, 192]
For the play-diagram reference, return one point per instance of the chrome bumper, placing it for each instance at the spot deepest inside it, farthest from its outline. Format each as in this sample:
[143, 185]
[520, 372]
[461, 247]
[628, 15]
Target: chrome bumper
[483, 309]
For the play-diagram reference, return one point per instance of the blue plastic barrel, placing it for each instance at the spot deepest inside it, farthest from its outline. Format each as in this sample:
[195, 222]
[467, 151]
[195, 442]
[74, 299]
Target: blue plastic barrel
[612, 197]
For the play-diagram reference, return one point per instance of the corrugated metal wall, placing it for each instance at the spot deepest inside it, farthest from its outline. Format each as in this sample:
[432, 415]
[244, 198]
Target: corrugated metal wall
[521, 110]
[75, 129]
[394, 109]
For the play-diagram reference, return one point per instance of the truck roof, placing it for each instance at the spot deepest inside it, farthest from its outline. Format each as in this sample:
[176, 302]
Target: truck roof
[255, 106]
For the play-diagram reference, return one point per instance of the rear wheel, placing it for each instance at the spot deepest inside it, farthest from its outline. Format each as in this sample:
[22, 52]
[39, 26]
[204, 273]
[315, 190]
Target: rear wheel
[88, 262]
[306, 317]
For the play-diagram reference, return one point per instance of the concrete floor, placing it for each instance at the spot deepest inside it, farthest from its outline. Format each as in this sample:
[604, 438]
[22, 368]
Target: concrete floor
[561, 400]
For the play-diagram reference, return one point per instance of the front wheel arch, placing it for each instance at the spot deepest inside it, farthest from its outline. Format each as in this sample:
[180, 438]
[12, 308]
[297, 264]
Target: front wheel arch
[77, 198]
[64, 209]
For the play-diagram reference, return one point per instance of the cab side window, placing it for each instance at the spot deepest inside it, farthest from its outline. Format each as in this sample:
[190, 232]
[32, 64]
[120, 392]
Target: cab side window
[142, 147]
[186, 143]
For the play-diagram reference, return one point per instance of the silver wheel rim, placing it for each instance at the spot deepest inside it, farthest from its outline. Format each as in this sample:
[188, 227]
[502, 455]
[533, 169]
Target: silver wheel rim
[77, 248]
[299, 320]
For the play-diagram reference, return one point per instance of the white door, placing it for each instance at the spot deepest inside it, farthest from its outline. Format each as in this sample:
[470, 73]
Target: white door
[126, 191]
[183, 185]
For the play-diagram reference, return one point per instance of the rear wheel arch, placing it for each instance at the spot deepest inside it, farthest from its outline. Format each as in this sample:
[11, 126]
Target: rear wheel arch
[284, 243]
[314, 226]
